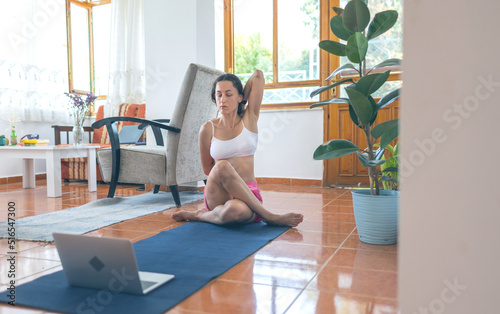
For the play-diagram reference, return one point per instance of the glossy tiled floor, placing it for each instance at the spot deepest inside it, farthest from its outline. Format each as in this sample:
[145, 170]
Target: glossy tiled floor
[318, 267]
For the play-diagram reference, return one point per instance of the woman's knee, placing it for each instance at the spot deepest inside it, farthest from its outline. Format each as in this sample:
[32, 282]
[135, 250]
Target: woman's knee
[223, 169]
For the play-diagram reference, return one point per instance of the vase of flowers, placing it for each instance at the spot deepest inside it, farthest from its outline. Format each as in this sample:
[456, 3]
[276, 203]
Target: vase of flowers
[80, 108]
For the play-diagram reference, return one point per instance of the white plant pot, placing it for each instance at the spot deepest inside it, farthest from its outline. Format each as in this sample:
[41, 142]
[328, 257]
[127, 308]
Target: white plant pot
[376, 216]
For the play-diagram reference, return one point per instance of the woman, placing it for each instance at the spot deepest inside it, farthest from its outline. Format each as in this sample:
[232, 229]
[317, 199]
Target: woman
[227, 147]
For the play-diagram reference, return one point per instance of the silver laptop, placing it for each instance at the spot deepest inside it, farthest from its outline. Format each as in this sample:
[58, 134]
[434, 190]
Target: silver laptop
[130, 134]
[104, 263]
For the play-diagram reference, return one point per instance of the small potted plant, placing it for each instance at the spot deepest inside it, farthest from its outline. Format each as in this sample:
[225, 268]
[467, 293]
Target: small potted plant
[375, 210]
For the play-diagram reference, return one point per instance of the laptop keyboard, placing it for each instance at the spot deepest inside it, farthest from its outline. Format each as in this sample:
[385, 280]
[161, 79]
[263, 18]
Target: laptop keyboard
[146, 284]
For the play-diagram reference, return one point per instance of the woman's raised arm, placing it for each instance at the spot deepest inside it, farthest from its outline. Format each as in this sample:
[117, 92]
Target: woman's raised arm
[253, 93]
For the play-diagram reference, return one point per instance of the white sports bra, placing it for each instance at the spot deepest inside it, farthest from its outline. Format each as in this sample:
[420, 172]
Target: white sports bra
[245, 144]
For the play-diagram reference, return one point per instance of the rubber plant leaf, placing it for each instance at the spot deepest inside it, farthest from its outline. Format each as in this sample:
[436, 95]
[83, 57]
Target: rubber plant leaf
[356, 16]
[357, 46]
[325, 88]
[335, 149]
[389, 136]
[379, 153]
[375, 110]
[382, 22]
[354, 117]
[361, 105]
[384, 127]
[340, 69]
[388, 99]
[370, 83]
[337, 27]
[387, 63]
[387, 131]
[333, 47]
[338, 11]
[330, 101]
[365, 161]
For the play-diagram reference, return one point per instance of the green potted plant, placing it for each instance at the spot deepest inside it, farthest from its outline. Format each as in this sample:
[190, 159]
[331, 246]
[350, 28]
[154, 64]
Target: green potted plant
[375, 210]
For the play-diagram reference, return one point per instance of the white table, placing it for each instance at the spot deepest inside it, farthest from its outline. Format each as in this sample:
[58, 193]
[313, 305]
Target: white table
[52, 155]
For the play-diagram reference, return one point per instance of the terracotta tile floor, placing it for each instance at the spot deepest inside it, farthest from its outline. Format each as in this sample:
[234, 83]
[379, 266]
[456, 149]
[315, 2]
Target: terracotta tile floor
[318, 267]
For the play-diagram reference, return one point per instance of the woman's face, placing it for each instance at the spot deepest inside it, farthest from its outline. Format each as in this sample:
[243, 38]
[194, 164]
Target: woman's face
[227, 97]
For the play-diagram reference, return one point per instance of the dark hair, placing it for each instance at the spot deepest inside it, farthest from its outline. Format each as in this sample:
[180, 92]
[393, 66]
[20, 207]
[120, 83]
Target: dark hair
[236, 83]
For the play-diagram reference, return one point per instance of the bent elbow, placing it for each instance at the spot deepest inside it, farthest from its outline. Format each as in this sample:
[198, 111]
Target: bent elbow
[208, 169]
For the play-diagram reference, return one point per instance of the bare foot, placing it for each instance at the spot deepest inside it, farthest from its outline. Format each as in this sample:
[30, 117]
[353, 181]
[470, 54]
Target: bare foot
[187, 215]
[290, 219]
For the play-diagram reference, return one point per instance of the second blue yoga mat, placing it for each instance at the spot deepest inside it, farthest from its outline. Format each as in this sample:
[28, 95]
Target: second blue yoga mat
[195, 253]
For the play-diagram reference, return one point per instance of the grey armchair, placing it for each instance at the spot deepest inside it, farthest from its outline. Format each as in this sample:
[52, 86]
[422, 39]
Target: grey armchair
[178, 161]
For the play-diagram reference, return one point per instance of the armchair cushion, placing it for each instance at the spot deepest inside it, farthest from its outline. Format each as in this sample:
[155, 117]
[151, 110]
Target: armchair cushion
[145, 164]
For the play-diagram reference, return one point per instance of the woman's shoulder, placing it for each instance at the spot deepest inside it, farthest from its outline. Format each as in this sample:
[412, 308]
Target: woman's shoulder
[208, 126]
[213, 121]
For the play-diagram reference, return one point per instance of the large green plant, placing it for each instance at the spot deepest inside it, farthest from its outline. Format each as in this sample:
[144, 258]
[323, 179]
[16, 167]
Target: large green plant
[350, 25]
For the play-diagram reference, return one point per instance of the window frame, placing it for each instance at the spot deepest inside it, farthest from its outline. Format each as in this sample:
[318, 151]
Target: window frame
[88, 5]
[229, 53]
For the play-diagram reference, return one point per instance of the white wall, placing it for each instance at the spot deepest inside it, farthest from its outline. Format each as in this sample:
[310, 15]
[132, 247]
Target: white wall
[287, 140]
[448, 245]
[177, 33]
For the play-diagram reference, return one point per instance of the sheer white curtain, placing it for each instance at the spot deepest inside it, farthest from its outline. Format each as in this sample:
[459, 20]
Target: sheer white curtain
[33, 62]
[127, 81]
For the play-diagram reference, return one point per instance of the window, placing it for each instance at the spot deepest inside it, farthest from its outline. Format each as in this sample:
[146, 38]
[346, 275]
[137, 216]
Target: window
[33, 62]
[279, 37]
[88, 29]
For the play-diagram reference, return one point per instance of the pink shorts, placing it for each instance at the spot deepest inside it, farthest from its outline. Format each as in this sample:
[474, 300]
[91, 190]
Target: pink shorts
[255, 190]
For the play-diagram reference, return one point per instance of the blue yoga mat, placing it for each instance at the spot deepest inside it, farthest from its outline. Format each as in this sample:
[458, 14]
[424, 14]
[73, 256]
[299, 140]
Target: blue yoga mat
[195, 253]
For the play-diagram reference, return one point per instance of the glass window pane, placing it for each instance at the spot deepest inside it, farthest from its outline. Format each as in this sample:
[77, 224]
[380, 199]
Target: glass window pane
[298, 37]
[289, 95]
[253, 37]
[388, 45]
[101, 18]
[80, 48]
